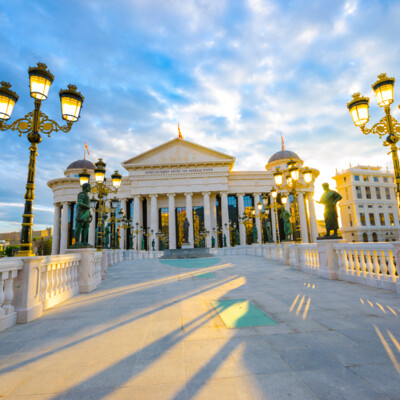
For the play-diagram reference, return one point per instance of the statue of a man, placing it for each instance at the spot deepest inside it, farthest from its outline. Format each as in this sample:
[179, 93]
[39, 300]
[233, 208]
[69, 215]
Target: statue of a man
[268, 231]
[329, 199]
[237, 238]
[186, 225]
[213, 242]
[255, 234]
[224, 240]
[153, 243]
[107, 235]
[287, 224]
[83, 216]
[143, 242]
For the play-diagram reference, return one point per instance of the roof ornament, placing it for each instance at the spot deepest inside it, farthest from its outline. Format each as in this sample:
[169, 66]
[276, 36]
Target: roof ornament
[179, 132]
[283, 143]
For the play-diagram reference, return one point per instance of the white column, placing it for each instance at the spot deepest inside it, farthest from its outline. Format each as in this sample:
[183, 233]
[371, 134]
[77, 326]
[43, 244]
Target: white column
[273, 220]
[171, 221]
[225, 217]
[213, 217]
[92, 229]
[137, 221]
[122, 244]
[313, 218]
[64, 228]
[303, 218]
[189, 216]
[55, 246]
[153, 221]
[207, 217]
[256, 199]
[242, 228]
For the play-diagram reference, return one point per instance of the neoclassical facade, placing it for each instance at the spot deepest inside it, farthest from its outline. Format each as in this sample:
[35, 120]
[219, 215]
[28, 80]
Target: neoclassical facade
[177, 180]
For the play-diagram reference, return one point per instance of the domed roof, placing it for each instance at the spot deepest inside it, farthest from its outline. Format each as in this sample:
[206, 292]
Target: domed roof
[283, 155]
[80, 164]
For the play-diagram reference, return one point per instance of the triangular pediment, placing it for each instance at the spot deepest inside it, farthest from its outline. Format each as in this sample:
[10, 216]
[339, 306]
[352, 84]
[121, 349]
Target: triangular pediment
[178, 152]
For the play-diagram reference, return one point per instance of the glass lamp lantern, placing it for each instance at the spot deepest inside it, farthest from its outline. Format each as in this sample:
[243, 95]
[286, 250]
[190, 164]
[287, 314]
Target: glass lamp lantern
[383, 89]
[259, 206]
[40, 80]
[100, 171]
[358, 108]
[116, 179]
[114, 203]
[71, 103]
[265, 200]
[84, 177]
[8, 98]
[284, 199]
[274, 193]
[308, 175]
[278, 177]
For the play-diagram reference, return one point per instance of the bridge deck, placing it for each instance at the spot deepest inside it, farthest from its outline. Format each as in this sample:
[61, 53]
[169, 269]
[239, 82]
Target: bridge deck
[150, 332]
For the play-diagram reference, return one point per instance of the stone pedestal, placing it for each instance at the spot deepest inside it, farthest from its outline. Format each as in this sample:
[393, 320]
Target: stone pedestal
[328, 260]
[286, 252]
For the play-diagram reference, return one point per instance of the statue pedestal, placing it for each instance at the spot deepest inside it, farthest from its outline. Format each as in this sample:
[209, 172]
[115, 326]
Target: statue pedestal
[187, 246]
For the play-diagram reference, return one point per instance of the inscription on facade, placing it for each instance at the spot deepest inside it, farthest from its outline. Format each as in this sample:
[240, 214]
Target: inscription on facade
[178, 171]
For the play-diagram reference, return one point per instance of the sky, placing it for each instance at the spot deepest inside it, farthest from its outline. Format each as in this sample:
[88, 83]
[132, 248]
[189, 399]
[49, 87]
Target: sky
[234, 74]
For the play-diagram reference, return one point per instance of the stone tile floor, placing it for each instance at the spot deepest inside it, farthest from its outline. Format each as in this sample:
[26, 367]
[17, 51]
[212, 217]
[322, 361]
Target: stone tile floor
[150, 332]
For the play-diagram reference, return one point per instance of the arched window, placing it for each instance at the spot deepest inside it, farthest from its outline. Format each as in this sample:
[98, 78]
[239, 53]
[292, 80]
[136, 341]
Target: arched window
[365, 237]
[374, 237]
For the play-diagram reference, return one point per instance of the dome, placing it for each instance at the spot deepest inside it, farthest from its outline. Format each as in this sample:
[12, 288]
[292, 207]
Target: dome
[80, 164]
[283, 155]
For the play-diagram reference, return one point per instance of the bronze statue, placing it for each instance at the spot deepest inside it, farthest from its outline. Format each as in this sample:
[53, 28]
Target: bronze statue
[329, 199]
[224, 240]
[237, 238]
[255, 234]
[143, 240]
[268, 231]
[213, 242]
[287, 224]
[153, 242]
[186, 225]
[83, 216]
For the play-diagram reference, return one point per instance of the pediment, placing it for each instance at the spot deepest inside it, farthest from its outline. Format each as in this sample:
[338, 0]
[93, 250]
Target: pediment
[178, 152]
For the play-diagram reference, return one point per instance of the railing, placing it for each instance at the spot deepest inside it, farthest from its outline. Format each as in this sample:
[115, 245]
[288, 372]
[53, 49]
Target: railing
[374, 261]
[59, 278]
[309, 256]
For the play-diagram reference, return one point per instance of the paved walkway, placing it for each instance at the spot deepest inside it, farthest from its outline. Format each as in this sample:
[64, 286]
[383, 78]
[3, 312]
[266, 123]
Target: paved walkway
[150, 332]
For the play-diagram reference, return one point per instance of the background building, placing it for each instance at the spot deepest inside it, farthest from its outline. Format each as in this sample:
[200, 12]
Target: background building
[177, 180]
[368, 210]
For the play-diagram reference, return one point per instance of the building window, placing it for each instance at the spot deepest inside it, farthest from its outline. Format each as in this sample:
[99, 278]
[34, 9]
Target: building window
[362, 219]
[359, 194]
[350, 220]
[347, 193]
[391, 219]
[361, 206]
[365, 237]
[378, 193]
[372, 219]
[376, 179]
[356, 177]
[387, 192]
[344, 179]
[385, 179]
[370, 206]
[382, 218]
[374, 237]
[368, 192]
[366, 178]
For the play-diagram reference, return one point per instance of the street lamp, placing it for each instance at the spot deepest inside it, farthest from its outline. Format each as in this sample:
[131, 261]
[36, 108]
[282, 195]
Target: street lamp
[34, 123]
[358, 107]
[293, 174]
[102, 190]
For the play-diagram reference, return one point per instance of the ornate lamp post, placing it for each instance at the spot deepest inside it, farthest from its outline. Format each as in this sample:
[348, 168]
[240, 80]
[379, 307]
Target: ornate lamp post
[102, 191]
[293, 186]
[358, 107]
[126, 224]
[136, 232]
[34, 123]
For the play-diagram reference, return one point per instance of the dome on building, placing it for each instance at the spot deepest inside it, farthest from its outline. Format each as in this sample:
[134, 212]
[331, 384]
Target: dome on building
[283, 155]
[80, 164]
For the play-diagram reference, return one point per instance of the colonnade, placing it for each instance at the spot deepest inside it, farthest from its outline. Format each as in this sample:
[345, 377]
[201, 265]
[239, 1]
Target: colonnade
[308, 222]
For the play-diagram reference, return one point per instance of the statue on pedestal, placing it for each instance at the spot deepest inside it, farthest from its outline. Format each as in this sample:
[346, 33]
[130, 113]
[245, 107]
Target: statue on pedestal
[107, 235]
[287, 224]
[224, 240]
[153, 242]
[83, 217]
[186, 225]
[213, 242]
[329, 199]
[143, 243]
[255, 234]
[268, 231]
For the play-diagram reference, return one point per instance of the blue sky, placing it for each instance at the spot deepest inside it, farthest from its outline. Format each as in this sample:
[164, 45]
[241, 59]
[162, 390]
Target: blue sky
[232, 73]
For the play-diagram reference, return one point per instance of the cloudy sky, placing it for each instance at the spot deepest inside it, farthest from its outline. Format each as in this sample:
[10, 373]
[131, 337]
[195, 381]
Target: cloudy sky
[234, 74]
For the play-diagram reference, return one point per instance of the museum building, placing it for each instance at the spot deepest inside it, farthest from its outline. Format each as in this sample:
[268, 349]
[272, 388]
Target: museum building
[178, 180]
